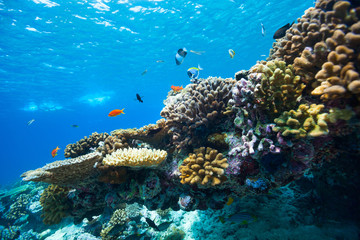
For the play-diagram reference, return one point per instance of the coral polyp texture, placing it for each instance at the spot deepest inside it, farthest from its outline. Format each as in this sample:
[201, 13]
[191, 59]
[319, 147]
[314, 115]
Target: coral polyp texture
[206, 167]
[279, 87]
[55, 204]
[134, 157]
[65, 172]
[196, 107]
[111, 144]
[84, 145]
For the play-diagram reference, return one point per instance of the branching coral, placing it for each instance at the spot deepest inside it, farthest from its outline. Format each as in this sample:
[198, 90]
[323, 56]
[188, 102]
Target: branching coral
[205, 167]
[198, 105]
[55, 204]
[279, 87]
[305, 121]
[84, 145]
[65, 172]
[118, 219]
[134, 157]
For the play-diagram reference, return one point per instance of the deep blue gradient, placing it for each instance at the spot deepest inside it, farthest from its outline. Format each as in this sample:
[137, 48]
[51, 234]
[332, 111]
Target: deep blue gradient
[72, 62]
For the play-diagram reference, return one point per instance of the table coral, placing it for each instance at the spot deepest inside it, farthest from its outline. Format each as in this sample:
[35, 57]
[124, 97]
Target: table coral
[205, 167]
[305, 121]
[134, 157]
[279, 88]
[84, 145]
[65, 172]
[197, 106]
[55, 204]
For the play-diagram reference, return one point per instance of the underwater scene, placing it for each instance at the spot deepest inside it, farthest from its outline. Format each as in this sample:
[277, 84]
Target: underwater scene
[170, 120]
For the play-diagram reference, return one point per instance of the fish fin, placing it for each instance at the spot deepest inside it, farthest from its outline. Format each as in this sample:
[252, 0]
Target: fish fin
[200, 67]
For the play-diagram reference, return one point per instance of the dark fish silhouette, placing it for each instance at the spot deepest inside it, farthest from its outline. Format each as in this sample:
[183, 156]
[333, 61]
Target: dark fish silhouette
[282, 31]
[138, 98]
[152, 224]
[180, 55]
[75, 126]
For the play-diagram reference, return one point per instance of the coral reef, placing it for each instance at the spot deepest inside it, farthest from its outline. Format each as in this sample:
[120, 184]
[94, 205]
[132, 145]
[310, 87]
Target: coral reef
[112, 175]
[305, 121]
[278, 89]
[65, 172]
[205, 167]
[197, 106]
[84, 145]
[118, 218]
[55, 204]
[111, 144]
[18, 210]
[134, 157]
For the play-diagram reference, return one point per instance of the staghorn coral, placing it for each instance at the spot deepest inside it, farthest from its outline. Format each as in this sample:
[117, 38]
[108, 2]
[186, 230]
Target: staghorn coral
[134, 157]
[84, 145]
[118, 219]
[305, 121]
[204, 167]
[198, 105]
[111, 144]
[55, 204]
[153, 134]
[279, 87]
[65, 172]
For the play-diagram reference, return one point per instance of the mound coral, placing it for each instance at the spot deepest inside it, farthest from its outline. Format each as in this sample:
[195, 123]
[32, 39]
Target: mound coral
[279, 87]
[118, 219]
[65, 172]
[305, 121]
[111, 144]
[84, 145]
[198, 105]
[205, 167]
[55, 204]
[135, 157]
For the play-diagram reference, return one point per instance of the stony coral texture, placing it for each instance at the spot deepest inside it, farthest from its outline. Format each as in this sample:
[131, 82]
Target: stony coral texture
[198, 105]
[84, 145]
[205, 167]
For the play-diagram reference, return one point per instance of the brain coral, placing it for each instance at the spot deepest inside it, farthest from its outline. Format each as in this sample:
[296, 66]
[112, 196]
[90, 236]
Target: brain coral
[65, 172]
[205, 167]
[84, 145]
[198, 105]
[135, 157]
[55, 204]
[279, 87]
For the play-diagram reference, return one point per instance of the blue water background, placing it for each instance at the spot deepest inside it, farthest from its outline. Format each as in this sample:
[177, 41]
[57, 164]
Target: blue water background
[72, 62]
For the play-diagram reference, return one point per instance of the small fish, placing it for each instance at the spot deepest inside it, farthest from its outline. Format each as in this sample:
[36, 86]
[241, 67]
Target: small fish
[242, 218]
[116, 112]
[231, 53]
[160, 61]
[263, 31]
[138, 98]
[152, 224]
[262, 55]
[176, 88]
[180, 55]
[282, 31]
[54, 151]
[197, 52]
[75, 126]
[30, 122]
[194, 72]
[230, 201]
[144, 72]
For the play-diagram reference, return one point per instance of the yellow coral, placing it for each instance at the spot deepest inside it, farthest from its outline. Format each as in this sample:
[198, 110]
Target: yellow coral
[205, 167]
[135, 157]
[306, 121]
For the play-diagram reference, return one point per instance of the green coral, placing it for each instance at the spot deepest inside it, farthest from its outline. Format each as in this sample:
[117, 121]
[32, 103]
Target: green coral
[118, 219]
[305, 121]
[55, 204]
[279, 88]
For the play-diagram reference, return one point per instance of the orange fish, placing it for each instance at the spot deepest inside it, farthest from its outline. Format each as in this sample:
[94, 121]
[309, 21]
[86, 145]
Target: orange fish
[116, 112]
[176, 88]
[54, 152]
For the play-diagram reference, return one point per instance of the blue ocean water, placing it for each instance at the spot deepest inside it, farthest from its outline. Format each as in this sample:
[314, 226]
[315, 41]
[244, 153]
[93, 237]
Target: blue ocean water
[72, 62]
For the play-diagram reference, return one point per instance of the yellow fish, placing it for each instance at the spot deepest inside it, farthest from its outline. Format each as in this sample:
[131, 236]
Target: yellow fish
[231, 53]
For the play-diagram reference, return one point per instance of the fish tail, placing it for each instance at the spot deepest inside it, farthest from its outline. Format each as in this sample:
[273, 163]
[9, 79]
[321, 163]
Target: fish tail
[122, 111]
[200, 67]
